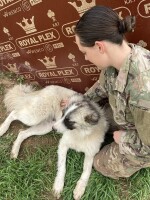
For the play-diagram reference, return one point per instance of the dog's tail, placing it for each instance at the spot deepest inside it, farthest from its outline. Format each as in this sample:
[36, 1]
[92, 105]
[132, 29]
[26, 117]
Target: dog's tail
[13, 95]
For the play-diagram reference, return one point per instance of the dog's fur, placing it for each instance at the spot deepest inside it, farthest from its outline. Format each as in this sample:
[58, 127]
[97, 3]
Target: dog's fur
[83, 125]
[38, 109]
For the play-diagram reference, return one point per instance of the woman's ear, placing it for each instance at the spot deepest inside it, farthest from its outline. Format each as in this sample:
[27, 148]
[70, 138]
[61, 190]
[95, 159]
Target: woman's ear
[101, 46]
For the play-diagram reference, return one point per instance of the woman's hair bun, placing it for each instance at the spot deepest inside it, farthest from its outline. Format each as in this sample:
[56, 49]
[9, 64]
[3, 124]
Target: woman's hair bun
[127, 24]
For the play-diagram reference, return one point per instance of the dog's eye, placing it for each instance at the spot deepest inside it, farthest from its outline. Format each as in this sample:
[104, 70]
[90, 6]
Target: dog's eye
[69, 124]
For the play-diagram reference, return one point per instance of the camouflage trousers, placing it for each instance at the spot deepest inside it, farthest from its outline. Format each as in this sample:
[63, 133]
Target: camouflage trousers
[111, 163]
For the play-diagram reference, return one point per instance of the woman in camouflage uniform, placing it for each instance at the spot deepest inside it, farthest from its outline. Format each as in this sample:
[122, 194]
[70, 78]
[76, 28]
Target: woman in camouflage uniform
[125, 80]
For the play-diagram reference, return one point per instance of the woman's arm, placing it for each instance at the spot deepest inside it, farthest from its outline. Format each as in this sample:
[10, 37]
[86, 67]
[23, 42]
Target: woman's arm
[97, 91]
[136, 142]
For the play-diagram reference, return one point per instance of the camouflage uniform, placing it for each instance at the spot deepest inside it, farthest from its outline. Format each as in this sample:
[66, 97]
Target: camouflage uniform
[128, 92]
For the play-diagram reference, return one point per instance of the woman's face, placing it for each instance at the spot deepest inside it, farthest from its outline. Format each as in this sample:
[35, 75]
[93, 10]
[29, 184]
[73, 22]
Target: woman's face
[93, 54]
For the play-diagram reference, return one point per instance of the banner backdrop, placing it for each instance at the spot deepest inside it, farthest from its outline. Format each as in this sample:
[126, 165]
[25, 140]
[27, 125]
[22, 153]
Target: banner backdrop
[37, 38]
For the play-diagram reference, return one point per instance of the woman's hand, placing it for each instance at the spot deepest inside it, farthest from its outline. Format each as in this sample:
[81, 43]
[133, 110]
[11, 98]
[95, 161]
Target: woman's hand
[117, 136]
[64, 103]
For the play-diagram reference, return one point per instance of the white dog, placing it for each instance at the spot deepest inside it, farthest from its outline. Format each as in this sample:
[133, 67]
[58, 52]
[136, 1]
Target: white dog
[38, 109]
[83, 125]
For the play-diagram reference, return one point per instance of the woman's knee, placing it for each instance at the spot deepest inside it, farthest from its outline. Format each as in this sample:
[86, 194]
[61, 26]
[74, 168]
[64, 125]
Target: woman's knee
[101, 161]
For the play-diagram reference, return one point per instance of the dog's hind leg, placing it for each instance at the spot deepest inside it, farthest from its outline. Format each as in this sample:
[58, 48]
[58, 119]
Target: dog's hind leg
[40, 129]
[82, 182]
[5, 125]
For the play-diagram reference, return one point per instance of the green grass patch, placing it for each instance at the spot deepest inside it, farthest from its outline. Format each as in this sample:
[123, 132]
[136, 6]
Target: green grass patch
[99, 187]
[12, 76]
[7, 74]
[139, 185]
[31, 177]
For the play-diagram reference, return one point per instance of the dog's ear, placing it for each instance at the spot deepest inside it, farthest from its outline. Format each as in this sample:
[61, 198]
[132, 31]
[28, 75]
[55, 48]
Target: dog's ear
[92, 118]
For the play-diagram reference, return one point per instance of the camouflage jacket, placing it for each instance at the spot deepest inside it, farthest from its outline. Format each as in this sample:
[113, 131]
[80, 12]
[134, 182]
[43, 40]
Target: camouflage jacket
[128, 91]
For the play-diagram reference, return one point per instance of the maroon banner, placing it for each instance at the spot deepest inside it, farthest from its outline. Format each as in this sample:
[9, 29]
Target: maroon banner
[37, 38]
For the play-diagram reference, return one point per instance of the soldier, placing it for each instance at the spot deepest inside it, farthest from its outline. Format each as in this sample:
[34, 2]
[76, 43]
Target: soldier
[125, 81]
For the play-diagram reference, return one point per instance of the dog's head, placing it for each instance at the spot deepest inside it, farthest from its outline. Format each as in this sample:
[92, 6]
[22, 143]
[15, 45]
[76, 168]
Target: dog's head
[80, 114]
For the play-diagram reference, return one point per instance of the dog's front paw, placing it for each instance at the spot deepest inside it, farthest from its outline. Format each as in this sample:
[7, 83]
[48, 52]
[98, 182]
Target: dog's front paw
[58, 188]
[13, 155]
[14, 152]
[79, 190]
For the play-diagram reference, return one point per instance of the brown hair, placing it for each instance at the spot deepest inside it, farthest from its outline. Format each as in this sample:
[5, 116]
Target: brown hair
[103, 23]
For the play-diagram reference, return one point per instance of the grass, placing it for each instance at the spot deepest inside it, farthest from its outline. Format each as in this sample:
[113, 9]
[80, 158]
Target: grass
[31, 176]
[28, 177]
[99, 187]
[139, 185]
[10, 75]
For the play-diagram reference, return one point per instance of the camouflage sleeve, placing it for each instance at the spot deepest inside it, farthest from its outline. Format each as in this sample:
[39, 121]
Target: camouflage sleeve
[136, 143]
[97, 91]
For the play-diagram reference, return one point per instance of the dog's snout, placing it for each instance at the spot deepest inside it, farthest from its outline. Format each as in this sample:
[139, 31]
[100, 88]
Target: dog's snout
[54, 129]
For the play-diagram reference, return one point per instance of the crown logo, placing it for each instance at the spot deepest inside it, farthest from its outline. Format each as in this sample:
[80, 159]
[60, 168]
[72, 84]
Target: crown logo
[34, 2]
[81, 9]
[51, 15]
[5, 30]
[26, 26]
[72, 57]
[49, 63]
[12, 67]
